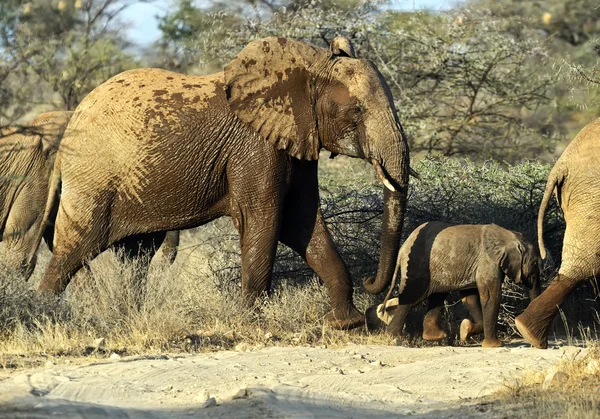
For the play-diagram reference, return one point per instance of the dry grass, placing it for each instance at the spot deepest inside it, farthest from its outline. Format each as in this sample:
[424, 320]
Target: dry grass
[578, 396]
[193, 305]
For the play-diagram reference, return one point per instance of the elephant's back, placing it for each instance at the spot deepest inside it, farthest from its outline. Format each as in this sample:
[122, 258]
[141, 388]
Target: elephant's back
[439, 257]
[578, 174]
[583, 152]
[151, 146]
[415, 259]
[139, 102]
[138, 118]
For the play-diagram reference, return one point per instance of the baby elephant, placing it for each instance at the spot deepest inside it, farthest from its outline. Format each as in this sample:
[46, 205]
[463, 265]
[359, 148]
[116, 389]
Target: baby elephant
[438, 258]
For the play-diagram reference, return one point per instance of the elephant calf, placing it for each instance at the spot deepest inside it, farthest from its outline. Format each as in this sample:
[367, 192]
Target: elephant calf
[438, 258]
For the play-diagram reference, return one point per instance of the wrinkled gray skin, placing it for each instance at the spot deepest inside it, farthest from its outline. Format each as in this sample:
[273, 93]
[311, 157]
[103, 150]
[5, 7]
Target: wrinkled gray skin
[575, 178]
[26, 160]
[150, 151]
[438, 258]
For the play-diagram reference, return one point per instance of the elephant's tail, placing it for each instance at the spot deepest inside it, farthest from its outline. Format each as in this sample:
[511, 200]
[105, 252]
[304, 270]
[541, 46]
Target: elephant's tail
[51, 204]
[392, 286]
[550, 185]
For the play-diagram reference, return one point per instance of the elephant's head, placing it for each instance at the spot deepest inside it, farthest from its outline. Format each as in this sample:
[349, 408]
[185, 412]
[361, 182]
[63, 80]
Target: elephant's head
[302, 98]
[521, 262]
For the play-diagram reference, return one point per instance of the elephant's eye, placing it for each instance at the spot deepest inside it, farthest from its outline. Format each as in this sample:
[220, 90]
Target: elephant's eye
[357, 114]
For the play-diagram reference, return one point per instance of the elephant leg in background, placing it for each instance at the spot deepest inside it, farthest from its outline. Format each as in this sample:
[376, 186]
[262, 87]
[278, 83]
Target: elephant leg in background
[139, 249]
[17, 248]
[489, 286]
[170, 245]
[534, 322]
[20, 235]
[305, 232]
[468, 328]
[431, 326]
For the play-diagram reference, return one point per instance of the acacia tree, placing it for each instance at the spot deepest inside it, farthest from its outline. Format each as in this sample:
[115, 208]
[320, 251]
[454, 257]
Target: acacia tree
[571, 29]
[464, 86]
[55, 52]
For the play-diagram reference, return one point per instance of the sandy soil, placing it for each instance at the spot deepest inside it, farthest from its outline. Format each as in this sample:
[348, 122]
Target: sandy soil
[276, 382]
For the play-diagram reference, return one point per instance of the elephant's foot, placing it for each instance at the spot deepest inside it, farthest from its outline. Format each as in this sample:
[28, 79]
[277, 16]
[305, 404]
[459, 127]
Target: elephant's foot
[466, 329]
[492, 343]
[433, 334]
[345, 319]
[431, 329]
[534, 335]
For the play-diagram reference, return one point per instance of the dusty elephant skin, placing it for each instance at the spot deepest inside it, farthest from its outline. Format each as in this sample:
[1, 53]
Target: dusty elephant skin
[26, 163]
[438, 258]
[576, 179]
[27, 156]
[151, 150]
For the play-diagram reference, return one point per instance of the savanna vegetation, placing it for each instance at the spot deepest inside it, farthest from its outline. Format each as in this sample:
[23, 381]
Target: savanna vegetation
[489, 93]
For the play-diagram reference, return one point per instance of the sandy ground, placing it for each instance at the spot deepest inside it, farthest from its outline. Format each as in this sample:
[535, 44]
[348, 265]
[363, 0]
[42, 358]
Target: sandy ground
[278, 382]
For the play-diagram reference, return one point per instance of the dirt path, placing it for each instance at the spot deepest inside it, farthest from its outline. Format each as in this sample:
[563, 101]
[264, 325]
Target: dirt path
[298, 382]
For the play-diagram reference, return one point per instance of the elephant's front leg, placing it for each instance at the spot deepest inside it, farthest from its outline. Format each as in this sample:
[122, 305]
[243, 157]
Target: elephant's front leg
[489, 286]
[304, 231]
[259, 231]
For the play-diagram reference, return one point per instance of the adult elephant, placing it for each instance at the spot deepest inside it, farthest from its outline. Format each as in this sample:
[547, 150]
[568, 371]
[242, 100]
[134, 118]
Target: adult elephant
[27, 156]
[151, 150]
[576, 179]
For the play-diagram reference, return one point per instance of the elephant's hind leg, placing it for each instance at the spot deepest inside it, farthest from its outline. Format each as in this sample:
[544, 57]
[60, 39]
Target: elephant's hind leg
[431, 326]
[63, 265]
[468, 328]
[170, 246]
[76, 242]
[534, 322]
[398, 319]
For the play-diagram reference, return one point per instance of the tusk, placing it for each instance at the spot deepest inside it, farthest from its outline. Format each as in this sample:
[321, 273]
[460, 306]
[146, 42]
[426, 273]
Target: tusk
[381, 176]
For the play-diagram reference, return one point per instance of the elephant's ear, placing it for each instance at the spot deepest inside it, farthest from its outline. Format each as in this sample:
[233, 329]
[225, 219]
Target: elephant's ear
[342, 47]
[269, 85]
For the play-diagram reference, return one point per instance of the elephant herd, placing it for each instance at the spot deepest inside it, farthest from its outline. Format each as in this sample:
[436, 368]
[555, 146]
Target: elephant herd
[151, 152]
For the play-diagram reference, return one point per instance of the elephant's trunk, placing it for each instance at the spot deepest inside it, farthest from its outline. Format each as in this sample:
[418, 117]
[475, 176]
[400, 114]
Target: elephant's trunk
[395, 170]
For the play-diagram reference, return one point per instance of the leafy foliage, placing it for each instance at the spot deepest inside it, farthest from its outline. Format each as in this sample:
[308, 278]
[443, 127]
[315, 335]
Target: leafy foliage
[57, 52]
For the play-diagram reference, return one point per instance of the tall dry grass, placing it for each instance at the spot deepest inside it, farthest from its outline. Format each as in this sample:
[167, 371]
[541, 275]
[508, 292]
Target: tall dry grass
[195, 304]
